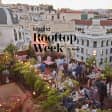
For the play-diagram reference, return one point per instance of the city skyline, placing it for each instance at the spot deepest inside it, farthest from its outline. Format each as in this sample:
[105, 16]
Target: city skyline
[73, 4]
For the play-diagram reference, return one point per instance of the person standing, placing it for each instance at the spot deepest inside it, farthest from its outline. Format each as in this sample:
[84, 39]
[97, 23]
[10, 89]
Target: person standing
[102, 91]
[69, 104]
[43, 67]
[78, 71]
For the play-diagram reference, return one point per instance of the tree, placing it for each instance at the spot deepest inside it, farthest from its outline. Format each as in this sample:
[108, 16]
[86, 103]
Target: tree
[90, 62]
[108, 70]
[33, 61]
[26, 72]
[108, 74]
[5, 60]
[50, 99]
[11, 49]
[53, 102]
[108, 110]
[31, 52]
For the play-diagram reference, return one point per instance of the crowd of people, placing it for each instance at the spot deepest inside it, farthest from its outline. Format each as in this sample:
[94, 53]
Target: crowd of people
[85, 93]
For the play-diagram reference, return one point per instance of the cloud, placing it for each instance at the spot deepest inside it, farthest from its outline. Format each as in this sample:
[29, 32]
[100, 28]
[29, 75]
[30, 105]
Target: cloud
[74, 4]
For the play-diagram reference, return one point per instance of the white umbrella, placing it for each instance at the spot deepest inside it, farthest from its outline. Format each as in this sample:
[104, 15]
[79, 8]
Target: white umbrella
[48, 62]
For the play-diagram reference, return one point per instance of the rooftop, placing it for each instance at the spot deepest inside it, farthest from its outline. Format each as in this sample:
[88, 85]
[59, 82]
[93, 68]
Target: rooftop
[89, 22]
[106, 22]
[88, 36]
[83, 22]
[75, 11]
[6, 17]
[8, 91]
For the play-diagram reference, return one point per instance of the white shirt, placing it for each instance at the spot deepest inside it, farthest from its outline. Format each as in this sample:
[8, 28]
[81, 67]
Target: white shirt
[70, 66]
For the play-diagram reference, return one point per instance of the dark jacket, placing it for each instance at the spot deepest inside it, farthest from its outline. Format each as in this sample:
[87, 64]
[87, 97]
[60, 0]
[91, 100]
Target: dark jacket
[102, 88]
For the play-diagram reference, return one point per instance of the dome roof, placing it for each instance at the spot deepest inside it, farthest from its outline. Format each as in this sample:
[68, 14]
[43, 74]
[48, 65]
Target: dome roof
[6, 16]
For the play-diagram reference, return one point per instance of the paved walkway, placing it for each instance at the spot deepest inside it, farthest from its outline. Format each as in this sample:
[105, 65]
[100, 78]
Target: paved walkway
[10, 93]
[8, 90]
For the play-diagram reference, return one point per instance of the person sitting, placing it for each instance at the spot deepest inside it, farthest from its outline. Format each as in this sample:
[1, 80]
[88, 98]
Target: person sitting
[70, 68]
[69, 104]
[102, 91]
[42, 67]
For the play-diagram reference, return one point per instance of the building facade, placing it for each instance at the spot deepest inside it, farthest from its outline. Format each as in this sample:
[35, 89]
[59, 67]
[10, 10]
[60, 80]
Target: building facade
[94, 38]
[11, 31]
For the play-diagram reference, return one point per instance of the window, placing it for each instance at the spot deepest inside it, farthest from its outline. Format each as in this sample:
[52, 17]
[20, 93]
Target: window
[74, 37]
[20, 36]
[77, 41]
[107, 43]
[82, 42]
[109, 31]
[78, 50]
[58, 16]
[111, 43]
[106, 51]
[63, 17]
[110, 50]
[95, 44]
[106, 59]
[102, 43]
[15, 35]
[86, 51]
[32, 8]
[52, 18]
[94, 53]
[37, 8]
[82, 50]
[23, 34]
[87, 43]
[79, 29]
[110, 58]
[101, 61]
[82, 58]
[68, 37]
[101, 52]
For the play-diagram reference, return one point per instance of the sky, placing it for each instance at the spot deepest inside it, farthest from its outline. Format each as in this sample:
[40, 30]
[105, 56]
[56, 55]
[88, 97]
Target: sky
[73, 4]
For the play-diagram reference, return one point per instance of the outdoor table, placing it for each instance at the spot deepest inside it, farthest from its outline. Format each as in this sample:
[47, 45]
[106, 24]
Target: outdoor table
[42, 75]
[77, 98]
[93, 76]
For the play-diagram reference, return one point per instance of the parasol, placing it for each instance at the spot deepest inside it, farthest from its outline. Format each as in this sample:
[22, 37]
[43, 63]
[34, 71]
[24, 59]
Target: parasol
[49, 61]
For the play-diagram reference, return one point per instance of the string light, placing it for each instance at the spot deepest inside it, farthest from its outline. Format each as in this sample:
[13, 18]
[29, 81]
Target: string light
[34, 93]
[50, 81]
[48, 87]
[0, 105]
[18, 100]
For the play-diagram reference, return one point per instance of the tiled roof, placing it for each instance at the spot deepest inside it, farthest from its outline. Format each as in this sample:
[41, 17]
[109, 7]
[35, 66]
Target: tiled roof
[106, 22]
[89, 22]
[83, 22]
[74, 12]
